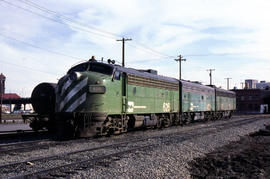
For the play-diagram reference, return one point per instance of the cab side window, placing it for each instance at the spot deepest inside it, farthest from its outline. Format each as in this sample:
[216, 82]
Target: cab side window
[117, 75]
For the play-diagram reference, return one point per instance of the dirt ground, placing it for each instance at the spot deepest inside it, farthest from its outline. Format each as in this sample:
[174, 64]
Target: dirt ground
[247, 158]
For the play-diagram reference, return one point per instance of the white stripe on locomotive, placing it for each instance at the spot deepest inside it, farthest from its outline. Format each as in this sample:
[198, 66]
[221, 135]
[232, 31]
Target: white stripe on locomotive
[76, 103]
[65, 86]
[74, 91]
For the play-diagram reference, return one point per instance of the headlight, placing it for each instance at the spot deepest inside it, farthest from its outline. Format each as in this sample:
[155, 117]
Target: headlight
[74, 76]
[97, 89]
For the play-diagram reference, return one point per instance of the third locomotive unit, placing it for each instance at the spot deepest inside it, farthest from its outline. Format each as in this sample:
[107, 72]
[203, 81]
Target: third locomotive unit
[96, 98]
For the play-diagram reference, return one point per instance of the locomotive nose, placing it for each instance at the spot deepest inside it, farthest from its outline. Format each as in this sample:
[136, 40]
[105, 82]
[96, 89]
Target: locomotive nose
[71, 92]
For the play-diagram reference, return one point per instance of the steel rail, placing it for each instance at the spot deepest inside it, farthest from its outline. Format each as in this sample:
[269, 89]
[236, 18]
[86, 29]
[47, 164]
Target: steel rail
[20, 131]
[217, 127]
[22, 143]
[86, 161]
[76, 164]
[24, 147]
[68, 153]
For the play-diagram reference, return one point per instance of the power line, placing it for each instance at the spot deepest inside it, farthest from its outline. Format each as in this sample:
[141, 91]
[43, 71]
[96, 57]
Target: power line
[61, 16]
[65, 55]
[102, 32]
[25, 67]
[154, 51]
[148, 60]
[112, 35]
[52, 19]
[50, 51]
[223, 54]
[74, 21]
[28, 44]
[150, 51]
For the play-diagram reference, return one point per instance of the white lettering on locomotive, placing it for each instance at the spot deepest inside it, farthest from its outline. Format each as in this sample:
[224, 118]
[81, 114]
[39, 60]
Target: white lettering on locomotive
[130, 107]
[166, 107]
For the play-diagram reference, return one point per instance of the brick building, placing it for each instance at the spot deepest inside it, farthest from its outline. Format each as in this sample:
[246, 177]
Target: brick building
[6, 96]
[252, 100]
[250, 84]
[2, 83]
[263, 85]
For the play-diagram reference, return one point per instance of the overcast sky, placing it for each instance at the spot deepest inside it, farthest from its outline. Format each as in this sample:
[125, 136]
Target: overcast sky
[41, 40]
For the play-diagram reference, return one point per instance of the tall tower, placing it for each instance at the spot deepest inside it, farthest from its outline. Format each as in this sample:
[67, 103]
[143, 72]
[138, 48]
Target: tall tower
[2, 83]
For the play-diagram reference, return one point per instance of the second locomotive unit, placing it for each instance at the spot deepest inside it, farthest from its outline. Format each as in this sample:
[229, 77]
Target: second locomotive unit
[96, 98]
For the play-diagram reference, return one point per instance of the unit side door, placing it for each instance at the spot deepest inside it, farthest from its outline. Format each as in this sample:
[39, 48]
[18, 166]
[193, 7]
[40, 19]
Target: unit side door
[124, 92]
[171, 101]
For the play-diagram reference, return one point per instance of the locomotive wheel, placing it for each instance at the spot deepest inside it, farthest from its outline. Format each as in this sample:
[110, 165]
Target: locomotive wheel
[230, 115]
[113, 126]
[159, 123]
[69, 130]
[36, 125]
[167, 122]
[107, 126]
[64, 129]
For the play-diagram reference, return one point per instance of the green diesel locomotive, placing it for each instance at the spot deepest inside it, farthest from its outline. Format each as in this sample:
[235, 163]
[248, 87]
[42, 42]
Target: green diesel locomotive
[96, 98]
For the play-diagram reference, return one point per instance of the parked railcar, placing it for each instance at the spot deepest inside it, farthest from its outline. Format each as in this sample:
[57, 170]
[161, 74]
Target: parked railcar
[225, 102]
[198, 101]
[95, 98]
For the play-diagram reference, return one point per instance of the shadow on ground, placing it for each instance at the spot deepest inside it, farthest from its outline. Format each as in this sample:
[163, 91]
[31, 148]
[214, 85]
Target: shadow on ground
[247, 158]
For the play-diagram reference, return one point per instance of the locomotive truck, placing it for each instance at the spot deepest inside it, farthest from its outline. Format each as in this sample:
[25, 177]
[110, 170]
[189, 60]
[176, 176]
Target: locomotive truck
[96, 98]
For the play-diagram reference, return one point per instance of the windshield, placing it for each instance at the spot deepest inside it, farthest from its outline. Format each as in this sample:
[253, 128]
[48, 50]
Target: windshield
[79, 68]
[95, 67]
[101, 68]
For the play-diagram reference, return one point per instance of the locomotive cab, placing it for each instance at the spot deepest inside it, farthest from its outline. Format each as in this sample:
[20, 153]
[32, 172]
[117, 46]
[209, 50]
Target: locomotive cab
[83, 98]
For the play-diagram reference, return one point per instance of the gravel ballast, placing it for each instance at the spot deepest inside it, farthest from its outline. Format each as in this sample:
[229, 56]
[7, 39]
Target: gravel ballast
[171, 156]
[171, 159]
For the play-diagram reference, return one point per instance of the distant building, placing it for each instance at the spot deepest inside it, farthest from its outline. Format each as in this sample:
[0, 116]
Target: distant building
[2, 83]
[263, 85]
[252, 100]
[250, 84]
[7, 98]
[8, 108]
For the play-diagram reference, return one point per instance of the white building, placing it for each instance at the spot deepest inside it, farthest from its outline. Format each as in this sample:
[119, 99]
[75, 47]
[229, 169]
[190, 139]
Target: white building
[250, 83]
[263, 85]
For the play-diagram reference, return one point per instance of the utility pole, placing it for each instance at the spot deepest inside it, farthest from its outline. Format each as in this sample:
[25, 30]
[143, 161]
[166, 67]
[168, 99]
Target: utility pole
[210, 75]
[180, 59]
[228, 82]
[242, 83]
[123, 49]
[1, 99]
[1, 106]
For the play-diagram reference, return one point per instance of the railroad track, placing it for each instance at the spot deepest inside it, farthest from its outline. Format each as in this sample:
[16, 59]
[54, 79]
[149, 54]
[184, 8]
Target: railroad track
[23, 146]
[29, 146]
[19, 134]
[75, 163]
[16, 132]
[67, 169]
[46, 143]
